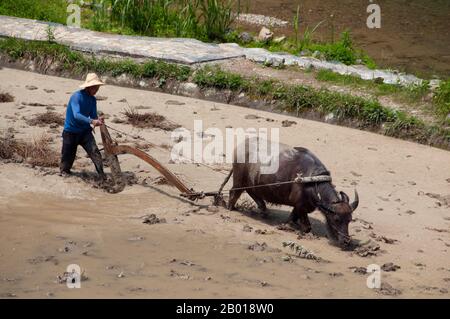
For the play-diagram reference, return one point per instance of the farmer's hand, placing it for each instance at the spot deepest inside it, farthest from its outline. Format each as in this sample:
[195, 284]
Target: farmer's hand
[98, 122]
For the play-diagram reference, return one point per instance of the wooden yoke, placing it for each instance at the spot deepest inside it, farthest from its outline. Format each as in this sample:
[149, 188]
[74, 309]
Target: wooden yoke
[113, 149]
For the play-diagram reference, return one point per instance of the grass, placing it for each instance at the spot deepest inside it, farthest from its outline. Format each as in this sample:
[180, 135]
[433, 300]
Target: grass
[201, 19]
[411, 93]
[78, 63]
[6, 98]
[369, 113]
[441, 99]
[36, 152]
[206, 20]
[340, 51]
[148, 120]
[45, 10]
[213, 76]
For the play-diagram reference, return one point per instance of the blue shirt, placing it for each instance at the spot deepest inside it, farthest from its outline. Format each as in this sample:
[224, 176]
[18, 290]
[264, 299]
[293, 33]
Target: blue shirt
[82, 108]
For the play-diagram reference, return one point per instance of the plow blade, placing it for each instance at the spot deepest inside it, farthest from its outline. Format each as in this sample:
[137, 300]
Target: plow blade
[112, 149]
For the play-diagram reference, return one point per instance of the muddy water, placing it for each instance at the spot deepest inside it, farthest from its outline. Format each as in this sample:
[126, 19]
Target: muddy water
[413, 35]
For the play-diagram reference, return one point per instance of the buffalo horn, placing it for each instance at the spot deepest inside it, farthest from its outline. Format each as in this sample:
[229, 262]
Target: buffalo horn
[344, 197]
[355, 203]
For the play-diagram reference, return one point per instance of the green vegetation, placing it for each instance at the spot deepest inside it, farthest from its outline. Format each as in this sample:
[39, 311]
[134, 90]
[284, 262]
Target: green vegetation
[343, 51]
[45, 10]
[213, 76]
[303, 43]
[340, 51]
[367, 113]
[410, 94]
[441, 99]
[201, 19]
[298, 98]
[206, 20]
[78, 63]
[301, 99]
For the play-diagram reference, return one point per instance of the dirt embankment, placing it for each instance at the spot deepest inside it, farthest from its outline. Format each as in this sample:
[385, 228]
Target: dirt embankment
[190, 250]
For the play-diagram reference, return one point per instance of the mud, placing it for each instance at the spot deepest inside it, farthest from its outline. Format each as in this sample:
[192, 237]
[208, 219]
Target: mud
[43, 215]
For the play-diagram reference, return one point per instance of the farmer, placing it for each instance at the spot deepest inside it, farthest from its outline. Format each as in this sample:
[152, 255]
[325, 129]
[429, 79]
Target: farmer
[80, 116]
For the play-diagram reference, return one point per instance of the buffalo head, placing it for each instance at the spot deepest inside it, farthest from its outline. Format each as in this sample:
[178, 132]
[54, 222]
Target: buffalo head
[338, 216]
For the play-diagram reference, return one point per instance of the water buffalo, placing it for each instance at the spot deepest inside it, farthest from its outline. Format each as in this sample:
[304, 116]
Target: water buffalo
[304, 198]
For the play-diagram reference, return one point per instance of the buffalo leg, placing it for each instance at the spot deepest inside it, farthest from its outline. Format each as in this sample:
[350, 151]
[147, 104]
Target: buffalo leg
[293, 217]
[305, 225]
[258, 200]
[234, 196]
[300, 217]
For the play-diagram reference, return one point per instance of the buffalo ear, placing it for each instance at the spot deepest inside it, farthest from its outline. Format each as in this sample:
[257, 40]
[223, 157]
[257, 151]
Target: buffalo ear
[325, 208]
[344, 197]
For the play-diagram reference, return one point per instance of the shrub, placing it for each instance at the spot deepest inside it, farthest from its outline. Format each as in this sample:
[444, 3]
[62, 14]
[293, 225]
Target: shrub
[6, 98]
[216, 77]
[148, 120]
[45, 10]
[37, 152]
[441, 98]
[46, 118]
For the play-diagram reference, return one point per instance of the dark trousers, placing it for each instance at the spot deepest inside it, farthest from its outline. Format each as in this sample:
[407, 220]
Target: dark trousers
[69, 150]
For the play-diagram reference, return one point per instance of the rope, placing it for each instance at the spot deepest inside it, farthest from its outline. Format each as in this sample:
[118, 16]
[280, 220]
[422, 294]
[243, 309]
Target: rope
[298, 179]
[163, 149]
[263, 185]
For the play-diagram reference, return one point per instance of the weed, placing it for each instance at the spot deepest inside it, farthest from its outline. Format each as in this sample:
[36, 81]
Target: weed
[299, 99]
[216, 77]
[441, 98]
[217, 17]
[46, 119]
[45, 10]
[50, 34]
[37, 152]
[6, 98]
[411, 94]
[148, 120]
[80, 64]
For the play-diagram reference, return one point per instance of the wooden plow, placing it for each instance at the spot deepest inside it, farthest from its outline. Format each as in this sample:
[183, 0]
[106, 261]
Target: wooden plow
[112, 149]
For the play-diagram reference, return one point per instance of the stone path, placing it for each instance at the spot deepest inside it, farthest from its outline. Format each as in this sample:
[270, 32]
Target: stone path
[186, 51]
[179, 50]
